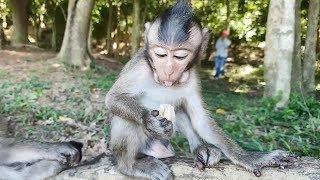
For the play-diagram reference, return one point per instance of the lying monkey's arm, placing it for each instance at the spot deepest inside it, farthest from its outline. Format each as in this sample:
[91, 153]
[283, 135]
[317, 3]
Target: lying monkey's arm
[36, 160]
[28, 151]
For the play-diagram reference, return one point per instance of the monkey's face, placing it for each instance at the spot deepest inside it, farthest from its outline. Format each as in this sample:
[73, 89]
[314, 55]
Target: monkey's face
[170, 62]
[171, 59]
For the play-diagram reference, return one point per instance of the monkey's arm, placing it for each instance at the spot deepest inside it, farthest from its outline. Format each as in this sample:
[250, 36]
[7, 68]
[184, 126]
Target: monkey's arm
[129, 108]
[28, 151]
[123, 98]
[212, 133]
[209, 130]
[126, 107]
[36, 160]
[37, 170]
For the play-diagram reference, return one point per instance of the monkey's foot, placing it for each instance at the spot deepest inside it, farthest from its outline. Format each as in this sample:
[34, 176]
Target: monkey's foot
[278, 158]
[206, 156]
[149, 167]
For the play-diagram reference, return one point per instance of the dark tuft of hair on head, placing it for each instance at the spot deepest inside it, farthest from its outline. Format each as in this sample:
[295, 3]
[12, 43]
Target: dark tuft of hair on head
[176, 23]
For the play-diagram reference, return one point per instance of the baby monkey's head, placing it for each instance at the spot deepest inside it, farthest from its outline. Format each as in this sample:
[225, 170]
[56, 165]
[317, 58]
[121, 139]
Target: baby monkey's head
[174, 43]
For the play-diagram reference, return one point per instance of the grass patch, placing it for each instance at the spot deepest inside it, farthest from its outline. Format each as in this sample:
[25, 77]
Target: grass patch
[255, 125]
[17, 98]
[3, 73]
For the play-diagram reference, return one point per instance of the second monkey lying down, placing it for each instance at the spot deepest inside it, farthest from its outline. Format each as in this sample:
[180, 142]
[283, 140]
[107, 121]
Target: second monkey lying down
[163, 72]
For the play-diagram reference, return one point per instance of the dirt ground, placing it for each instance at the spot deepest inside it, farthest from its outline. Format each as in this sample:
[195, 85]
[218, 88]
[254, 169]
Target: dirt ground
[19, 66]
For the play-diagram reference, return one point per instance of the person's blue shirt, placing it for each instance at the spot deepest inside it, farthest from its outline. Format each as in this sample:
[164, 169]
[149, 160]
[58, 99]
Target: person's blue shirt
[222, 46]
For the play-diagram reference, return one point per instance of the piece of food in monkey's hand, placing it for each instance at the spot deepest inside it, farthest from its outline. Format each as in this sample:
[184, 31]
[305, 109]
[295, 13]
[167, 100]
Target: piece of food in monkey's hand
[167, 111]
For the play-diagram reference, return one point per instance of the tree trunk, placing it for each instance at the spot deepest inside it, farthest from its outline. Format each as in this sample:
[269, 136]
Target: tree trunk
[75, 48]
[109, 28]
[20, 21]
[59, 25]
[309, 61]
[296, 73]
[2, 36]
[136, 27]
[318, 42]
[279, 49]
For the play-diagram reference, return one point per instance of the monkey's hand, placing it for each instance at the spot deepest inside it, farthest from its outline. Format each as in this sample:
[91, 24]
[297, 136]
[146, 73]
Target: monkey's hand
[68, 153]
[255, 161]
[206, 156]
[157, 126]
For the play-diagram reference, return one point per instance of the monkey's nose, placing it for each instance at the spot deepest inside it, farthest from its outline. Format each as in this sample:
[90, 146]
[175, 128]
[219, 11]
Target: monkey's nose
[169, 71]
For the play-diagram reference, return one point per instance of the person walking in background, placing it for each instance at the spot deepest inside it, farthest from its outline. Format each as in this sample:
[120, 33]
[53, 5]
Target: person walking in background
[222, 47]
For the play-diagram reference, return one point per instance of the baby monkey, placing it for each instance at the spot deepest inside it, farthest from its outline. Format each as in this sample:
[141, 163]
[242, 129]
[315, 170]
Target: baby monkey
[163, 72]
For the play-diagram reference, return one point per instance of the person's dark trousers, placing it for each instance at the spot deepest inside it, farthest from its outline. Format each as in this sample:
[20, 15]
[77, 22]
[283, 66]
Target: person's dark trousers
[219, 66]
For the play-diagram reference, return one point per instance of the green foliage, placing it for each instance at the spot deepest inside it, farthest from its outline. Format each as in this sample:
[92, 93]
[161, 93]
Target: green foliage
[180, 144]
[247, 18]
[257, 126]
[45, 113]
[4, 10]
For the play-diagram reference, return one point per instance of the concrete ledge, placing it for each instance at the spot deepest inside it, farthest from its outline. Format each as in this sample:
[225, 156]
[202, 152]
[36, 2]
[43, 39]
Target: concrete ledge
[103, 169]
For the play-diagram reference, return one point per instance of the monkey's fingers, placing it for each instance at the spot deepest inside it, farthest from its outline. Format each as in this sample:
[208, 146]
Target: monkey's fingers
[257, 172]
[201, 158]
[199, 162]
[199, 165]
[155, 113]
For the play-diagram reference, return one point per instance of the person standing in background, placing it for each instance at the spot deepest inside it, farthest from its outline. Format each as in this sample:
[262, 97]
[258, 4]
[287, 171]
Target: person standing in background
[222, 47]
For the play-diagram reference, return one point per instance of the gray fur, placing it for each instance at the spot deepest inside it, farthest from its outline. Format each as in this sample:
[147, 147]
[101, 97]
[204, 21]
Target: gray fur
[24, 160]
[176, 23]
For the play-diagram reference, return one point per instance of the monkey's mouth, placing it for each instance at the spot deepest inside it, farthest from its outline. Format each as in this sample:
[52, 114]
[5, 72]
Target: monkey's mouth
[168, 83]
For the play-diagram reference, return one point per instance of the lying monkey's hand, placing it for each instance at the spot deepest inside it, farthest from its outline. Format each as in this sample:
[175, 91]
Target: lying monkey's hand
[67, 152]
[158, 126]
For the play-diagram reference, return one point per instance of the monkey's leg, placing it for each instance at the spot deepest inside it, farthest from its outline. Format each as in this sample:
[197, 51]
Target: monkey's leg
[126, 142]
[204, 155]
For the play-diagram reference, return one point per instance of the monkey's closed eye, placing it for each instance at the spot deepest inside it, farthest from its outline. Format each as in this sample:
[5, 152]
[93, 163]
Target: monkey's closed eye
[180, 57]
[161, 55]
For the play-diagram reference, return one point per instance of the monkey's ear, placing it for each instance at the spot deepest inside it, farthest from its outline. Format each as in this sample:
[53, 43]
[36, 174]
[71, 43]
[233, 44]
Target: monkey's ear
[147, 26]
[204, 44]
